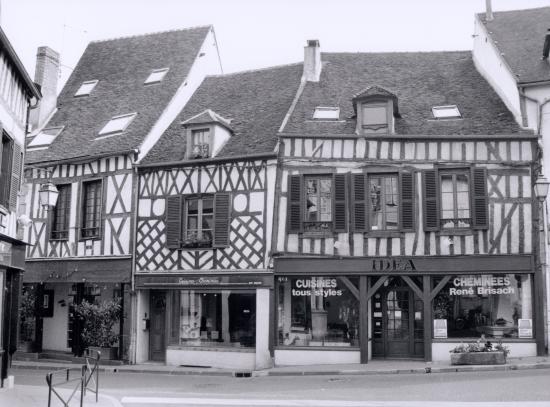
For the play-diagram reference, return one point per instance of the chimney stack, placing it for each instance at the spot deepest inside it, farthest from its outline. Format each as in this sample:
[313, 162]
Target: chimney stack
[546, 48]
[46, 75]
[312, 61]
[488, 11]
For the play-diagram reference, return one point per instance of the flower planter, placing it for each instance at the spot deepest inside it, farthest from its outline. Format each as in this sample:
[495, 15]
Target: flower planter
[106, 353]
[478, 358]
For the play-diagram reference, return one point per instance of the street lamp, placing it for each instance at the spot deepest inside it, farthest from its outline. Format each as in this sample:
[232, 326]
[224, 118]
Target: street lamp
[541, 188]
[48, 194]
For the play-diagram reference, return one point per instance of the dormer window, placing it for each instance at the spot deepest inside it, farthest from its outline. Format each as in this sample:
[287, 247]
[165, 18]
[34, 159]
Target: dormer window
[326, 113]
[446, 112]
[156, 75]
[200, 143]
[117, 124]
[375, 109]
[86, 88]
[375, 117]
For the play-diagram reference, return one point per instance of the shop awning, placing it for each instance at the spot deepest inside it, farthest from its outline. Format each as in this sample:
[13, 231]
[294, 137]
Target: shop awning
[78, 271]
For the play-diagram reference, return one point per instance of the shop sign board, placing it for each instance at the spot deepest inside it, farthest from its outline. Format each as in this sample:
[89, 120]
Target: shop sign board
[318, 287]
[481, 285]
[440, 328]
[214, 281]
[525, 328]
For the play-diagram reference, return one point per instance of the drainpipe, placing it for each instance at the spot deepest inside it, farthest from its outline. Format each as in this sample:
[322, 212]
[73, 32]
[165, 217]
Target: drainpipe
[134, 317]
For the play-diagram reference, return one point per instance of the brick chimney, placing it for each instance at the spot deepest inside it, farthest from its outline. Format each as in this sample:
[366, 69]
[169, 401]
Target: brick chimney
[488, 10]
[46, 75]
[312, 61]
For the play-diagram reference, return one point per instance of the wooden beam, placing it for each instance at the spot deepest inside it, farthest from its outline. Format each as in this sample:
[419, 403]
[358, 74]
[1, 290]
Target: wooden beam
[439, 287]
[376, 286]
[427, 307]
[413, 285]
[350, 286]
[363, 319]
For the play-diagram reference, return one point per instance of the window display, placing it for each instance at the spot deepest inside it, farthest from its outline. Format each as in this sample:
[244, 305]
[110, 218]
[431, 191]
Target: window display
[318, 311]
[220, 318]
[490, 304]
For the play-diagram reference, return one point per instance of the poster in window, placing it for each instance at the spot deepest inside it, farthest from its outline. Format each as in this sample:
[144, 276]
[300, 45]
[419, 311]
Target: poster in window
[47, 304]
[440, 328]
[525, 328]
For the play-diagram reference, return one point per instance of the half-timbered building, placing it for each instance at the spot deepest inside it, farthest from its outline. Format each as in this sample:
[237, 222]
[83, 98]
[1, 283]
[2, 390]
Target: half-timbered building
[404, 212]
[204, 224]
[119, 99]
[17, 95]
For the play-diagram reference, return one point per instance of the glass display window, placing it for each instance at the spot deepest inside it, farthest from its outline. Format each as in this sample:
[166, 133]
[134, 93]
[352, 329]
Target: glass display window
[225, 318]
[488, 304]
[318, 311]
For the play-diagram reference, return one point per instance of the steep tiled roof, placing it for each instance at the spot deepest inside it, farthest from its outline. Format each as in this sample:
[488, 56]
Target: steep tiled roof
[256, 102]
[121, 66]
[519, 36]
[419, 80]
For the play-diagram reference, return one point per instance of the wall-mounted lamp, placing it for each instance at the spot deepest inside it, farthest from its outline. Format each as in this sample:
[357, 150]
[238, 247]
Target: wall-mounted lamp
[541, 188]
[48, 192]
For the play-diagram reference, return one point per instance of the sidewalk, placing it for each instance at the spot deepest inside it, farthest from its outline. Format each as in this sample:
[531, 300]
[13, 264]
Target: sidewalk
[373, 367]
[37, 396]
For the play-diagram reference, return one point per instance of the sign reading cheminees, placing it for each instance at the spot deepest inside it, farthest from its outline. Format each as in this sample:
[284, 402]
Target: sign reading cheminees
[481, 285]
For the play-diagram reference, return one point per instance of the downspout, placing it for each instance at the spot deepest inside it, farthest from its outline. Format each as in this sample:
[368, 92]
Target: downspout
[133, 295]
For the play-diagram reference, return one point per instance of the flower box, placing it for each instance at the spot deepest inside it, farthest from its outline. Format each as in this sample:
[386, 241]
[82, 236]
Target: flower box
[478, 358]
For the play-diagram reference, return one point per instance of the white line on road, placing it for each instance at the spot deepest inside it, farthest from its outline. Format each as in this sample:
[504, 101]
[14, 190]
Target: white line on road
[324, 403]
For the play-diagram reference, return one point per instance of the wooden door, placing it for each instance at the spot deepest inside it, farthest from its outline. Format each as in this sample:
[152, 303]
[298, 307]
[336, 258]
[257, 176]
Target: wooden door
[157, 332]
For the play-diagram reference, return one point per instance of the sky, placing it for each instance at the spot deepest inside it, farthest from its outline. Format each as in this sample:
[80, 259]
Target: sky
[250, 33]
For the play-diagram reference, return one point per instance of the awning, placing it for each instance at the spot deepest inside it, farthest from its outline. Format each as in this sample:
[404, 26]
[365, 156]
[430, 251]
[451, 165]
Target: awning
[78, 271]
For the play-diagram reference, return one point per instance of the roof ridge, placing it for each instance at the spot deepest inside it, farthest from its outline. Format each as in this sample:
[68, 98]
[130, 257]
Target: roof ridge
[458, 51]
[515, 10]
[124, 37]
[223, 75]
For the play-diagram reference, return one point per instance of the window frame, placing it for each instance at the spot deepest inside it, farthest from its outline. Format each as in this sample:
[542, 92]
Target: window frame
[200, 214]
[106, 133]
[383, 175]
[99, 210]
[208, 130]
[66, 215]
[454, 172]
[375, 129]
[164, 71]
[79, 94]
[305, 220]
[444, 108]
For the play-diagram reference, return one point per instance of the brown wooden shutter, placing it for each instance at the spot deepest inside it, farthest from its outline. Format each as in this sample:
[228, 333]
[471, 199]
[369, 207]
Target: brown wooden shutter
[407, 201]
[5, 171]
[173, 221]
[295, 210]
[340, 203]
[15, 175]
[431, 201]
[480, 199]
[359, 203]
[222, 212]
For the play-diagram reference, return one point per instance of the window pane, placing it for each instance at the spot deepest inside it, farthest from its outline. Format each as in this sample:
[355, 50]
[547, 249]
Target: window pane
[312, 206]
[484, 304]
[317, 311]
[92, 209]
[384, 202]
[374, 115]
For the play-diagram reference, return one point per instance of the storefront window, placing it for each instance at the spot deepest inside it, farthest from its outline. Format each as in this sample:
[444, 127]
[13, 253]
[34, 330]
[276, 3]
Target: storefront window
[495, 305]
[318, 311]
[212, 318]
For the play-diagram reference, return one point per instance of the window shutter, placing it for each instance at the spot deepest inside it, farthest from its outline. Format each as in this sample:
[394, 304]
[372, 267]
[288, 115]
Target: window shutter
[407, 201]
[340, 202]
[479, 198]
[295, 204]
[222, 211]
[173, 221]
[431, 201]
[359, 203]
[15, 175]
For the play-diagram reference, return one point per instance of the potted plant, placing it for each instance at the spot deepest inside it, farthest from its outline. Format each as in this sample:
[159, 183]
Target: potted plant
[27, 320]
[481, 352]
[99, 319]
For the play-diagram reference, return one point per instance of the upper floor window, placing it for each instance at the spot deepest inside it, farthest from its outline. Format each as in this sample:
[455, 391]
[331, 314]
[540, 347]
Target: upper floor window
[86, 88]
[61, 214]
[455, 198]
[446, 112]
[6, 153]
[117, 124]
[156, 75]
[375, 118]
[383, 202]
[91, 209]
[199, 143]
[318, 207]
[198, 220]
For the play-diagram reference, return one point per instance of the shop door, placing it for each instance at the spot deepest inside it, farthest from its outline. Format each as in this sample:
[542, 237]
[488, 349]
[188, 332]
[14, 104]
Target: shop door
[397, 322]
[157, 333]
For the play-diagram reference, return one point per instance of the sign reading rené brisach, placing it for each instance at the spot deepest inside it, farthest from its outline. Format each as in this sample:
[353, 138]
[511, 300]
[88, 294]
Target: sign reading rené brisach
[206, 281]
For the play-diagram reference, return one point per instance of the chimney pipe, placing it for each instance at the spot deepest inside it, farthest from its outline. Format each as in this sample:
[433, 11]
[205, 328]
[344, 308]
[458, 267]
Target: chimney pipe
[312, 61]
[46, 75]
[488, 11]
[546, 48]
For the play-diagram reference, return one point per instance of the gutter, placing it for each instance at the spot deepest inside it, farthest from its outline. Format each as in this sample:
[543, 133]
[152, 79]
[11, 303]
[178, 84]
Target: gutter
[81, 159]
[189, 163]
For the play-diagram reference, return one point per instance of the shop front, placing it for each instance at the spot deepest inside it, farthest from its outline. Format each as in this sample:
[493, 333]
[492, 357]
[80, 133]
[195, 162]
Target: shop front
[355, 310]
[215, 320]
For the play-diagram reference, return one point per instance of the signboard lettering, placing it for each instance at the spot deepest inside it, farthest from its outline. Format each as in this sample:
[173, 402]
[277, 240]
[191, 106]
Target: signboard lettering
[481, 285]
[393, 265]
[318, 287]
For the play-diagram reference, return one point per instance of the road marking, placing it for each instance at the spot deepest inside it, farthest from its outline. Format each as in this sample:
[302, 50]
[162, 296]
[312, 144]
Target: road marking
[324, 403]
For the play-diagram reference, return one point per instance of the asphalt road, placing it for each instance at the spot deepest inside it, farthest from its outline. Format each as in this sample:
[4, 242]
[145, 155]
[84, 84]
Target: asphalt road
[522, 387]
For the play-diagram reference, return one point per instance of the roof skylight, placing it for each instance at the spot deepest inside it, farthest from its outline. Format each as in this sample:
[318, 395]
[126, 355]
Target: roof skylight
[326, 113]
[45, 137]
[86, 88]
[156, 75]
[446, 112]
[117, 124]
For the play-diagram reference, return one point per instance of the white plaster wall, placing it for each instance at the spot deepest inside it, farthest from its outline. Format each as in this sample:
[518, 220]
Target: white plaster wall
[213, 357]
[221, 136]
[54, 336]
[300, 357]
[440, 350]
[207, 64]
[142, 336]
[494, 69]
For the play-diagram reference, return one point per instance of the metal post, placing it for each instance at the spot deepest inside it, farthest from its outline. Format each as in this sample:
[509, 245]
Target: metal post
[82, 385]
